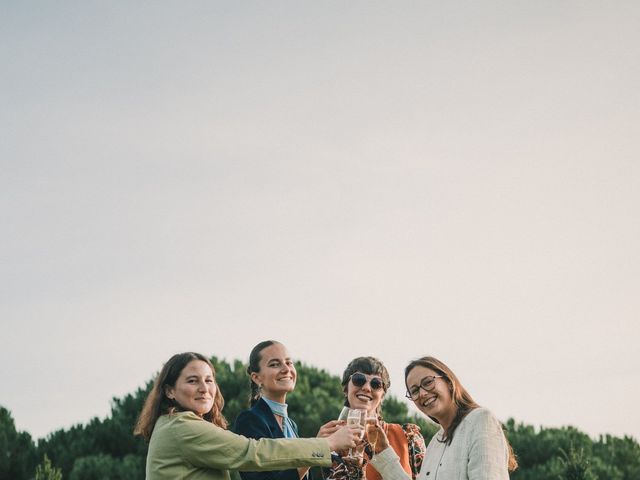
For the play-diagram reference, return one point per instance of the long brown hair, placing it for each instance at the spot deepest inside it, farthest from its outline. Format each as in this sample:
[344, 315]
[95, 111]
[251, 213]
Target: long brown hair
[157, 402]
[461, 397]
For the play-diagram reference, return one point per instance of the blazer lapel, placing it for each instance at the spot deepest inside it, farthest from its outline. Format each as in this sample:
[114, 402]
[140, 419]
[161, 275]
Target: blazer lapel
[262, 409]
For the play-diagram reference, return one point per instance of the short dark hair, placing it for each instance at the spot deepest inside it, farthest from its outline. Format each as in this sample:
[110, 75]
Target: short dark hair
[369, 366]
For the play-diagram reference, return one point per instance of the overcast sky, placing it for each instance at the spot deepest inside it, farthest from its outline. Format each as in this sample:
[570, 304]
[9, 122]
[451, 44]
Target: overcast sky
[353, 178]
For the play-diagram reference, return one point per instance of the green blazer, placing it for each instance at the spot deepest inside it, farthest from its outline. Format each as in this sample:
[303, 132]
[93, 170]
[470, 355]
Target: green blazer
[183, 446]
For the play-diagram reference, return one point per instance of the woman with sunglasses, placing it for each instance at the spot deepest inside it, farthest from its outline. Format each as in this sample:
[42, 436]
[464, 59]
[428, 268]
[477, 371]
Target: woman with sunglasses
[365, 382]
[183, 423]
[272, 375]
[470, 444]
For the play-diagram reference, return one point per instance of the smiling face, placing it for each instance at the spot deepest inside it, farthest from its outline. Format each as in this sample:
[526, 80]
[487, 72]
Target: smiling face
[365, 396]
[195, 388]
[277, 374]
[437, 402]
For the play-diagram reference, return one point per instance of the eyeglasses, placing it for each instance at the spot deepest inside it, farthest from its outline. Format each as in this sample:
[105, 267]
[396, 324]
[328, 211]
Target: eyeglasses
[360, 379]
[427, 384]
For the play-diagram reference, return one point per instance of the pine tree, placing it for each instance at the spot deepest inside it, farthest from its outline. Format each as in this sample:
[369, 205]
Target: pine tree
[575, 465]
[46, 471]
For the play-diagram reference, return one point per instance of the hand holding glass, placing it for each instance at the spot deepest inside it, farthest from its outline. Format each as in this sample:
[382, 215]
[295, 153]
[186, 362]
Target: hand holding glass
[356, 416]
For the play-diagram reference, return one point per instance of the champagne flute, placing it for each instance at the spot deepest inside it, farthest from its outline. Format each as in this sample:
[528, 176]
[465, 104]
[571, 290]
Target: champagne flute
[371, 421]
[356, 416]
[344, 414]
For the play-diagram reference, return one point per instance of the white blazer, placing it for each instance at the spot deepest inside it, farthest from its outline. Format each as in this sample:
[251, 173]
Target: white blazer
[478, 451]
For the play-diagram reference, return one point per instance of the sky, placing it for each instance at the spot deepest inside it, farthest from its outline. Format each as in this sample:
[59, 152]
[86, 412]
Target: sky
[397, 179]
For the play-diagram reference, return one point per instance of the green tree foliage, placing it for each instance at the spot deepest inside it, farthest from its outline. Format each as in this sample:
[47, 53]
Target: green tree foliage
[234, 385]
[106, 448]
[17, 452]
[107, 467]
[575, 466]
[112, 437]
[540, 454]
[616, 458]
[46, 471]
[317, 399]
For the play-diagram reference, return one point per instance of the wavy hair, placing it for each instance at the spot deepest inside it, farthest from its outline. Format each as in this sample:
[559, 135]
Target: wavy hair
[157, 402]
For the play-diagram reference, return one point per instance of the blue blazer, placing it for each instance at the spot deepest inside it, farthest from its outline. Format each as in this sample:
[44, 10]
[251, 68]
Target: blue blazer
[260, 422]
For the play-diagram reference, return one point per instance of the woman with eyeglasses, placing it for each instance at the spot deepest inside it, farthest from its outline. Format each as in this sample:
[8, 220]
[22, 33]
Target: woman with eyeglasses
[272, 375]
[182, 421]
[470, 444]
[365, 382]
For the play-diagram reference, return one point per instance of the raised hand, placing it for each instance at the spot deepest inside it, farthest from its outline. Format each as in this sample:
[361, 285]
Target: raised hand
[382, 442]
[330, 427]
[347, 436]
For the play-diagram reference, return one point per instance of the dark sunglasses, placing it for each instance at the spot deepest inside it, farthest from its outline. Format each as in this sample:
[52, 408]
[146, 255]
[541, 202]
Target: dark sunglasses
[359, 379]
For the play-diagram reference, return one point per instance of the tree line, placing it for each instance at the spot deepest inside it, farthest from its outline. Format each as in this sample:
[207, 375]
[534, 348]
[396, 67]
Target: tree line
[105, 449]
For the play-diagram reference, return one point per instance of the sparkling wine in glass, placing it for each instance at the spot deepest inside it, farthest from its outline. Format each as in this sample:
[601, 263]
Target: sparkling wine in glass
[356, 416]
[371, 420]
[344, 414]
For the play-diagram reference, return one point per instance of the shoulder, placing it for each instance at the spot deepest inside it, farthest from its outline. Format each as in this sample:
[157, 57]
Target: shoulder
[481, 416]
[248, 417]
[408, 430]
[256, 423]
[189, 420]
[248, 414]
[181, 419]
[393, 427]
[183, 426]
[411, 429]
[481, 421]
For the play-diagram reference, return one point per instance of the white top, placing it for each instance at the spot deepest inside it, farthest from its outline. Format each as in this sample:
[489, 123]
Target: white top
[478, 451]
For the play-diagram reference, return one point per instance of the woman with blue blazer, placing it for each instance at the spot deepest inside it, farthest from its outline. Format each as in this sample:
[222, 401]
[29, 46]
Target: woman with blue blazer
[272, 375]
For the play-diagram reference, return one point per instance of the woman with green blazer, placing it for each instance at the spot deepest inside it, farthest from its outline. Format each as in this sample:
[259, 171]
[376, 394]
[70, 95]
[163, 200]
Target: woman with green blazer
[182, 421]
